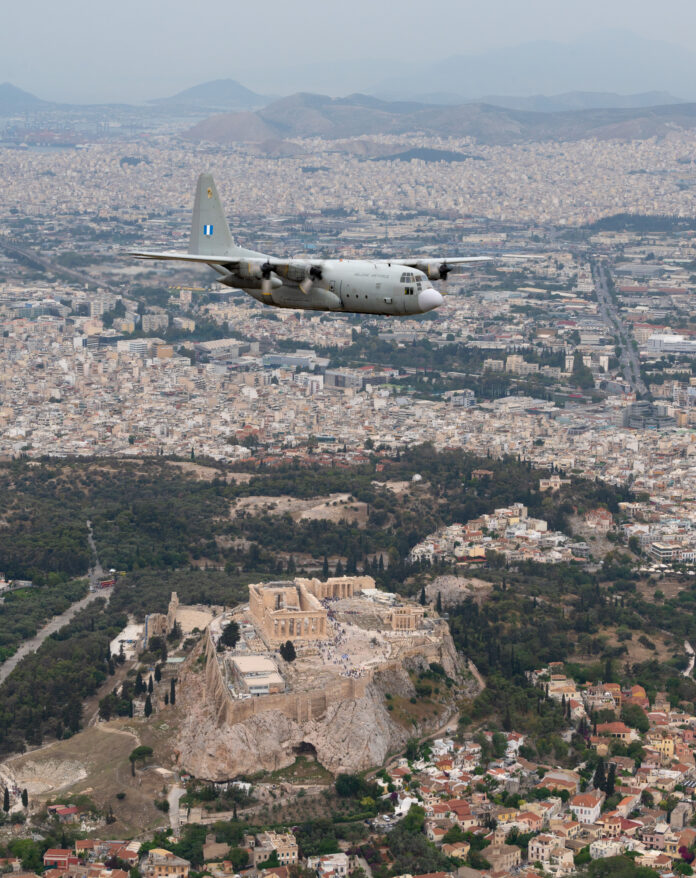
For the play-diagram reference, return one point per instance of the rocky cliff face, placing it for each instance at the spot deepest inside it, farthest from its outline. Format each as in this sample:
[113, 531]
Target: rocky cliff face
[347, 724]
[352, 735]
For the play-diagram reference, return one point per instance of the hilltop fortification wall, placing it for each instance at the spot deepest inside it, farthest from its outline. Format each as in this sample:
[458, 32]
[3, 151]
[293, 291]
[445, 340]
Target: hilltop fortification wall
[300, 707]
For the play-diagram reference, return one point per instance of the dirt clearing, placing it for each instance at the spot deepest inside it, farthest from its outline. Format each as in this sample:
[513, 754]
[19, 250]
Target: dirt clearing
[335, 507]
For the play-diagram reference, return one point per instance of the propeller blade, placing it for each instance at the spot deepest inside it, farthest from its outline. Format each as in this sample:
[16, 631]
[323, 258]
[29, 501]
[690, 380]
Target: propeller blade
[444, 274]
[266, 271]
[306, 285]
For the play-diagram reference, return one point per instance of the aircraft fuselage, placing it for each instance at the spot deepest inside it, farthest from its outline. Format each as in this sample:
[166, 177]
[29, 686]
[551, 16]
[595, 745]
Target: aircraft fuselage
[352, 286]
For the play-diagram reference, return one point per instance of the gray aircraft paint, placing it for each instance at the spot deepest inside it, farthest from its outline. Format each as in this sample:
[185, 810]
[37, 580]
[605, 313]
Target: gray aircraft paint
[396, 288]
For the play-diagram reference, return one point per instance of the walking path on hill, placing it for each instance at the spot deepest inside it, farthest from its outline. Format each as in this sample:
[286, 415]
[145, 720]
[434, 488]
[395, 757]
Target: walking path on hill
[57, 622]
[173, 796]
[692, 659]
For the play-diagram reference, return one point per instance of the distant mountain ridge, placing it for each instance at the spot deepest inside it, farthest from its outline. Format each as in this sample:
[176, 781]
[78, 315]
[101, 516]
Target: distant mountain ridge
[16, 100]
[581, 100]
[606, 61]
[311, 115]
[222, 94]
[572, 100]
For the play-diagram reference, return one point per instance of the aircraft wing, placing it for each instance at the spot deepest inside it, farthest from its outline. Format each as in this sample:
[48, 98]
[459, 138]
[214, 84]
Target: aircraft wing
[439, 268]
[445, 260]
[418, 261]
[186, 257]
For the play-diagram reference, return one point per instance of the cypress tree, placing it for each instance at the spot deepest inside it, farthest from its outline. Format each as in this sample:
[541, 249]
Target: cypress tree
[172, 693]
[599, 780]
[148, 706]
[25, 798]
[6, 801]
[422, 597]
[150, 685]
[325, 568]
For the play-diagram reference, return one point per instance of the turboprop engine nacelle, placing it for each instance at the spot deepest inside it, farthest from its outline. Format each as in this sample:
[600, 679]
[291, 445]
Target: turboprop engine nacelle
[434, 270]
[252, 276]
[249, 283]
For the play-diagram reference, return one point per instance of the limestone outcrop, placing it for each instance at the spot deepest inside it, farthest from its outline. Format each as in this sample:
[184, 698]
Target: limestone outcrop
[344, 720]
[353, 734]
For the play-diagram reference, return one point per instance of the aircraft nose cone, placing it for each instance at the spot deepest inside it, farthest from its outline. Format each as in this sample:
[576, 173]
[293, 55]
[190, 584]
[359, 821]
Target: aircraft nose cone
[429, 299]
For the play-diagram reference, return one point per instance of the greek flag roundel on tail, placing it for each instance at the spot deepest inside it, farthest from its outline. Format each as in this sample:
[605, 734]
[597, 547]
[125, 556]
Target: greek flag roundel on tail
[210, 234]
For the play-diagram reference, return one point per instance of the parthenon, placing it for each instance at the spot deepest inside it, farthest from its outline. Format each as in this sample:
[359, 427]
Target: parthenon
[293, 610]
[287, 611]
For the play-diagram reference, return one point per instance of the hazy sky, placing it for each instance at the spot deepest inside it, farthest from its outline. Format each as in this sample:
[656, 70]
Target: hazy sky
[92, 50]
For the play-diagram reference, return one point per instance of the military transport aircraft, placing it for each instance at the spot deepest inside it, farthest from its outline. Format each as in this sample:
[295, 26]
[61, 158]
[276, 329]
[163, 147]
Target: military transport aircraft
[398, 287]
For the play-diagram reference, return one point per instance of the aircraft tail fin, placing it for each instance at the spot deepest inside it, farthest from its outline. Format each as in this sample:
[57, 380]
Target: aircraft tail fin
[210, 234]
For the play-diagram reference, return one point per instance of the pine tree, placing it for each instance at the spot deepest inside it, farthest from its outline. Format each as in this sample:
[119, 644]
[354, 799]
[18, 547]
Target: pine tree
[25, 799]
[148, 706]
[172, 693]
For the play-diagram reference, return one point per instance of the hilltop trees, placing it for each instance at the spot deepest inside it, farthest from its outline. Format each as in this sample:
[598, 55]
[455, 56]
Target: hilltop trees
[287, 651]
[230, 635]
[139, 754]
